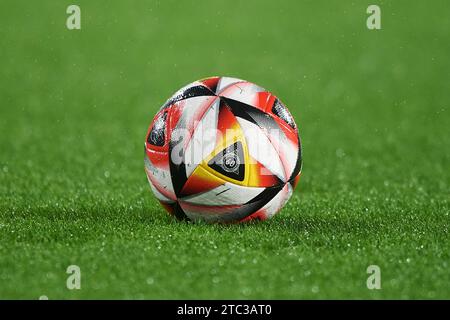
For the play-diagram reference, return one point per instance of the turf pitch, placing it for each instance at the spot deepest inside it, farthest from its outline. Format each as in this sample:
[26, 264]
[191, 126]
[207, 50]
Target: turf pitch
[372, 108]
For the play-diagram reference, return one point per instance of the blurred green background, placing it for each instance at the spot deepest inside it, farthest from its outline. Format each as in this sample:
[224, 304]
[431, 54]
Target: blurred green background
[371, 105]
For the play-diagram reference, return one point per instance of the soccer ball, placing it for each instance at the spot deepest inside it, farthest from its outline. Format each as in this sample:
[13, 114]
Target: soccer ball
[223, 150]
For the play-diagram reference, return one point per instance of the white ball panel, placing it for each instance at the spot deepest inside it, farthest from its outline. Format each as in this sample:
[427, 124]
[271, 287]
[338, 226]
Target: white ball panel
[261, 149]
[226, 194]
[160, 175]
[225, 82]
[158, 194]
[244, 92]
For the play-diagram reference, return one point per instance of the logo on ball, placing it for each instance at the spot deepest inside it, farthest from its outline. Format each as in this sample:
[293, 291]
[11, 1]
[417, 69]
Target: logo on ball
[231, 162]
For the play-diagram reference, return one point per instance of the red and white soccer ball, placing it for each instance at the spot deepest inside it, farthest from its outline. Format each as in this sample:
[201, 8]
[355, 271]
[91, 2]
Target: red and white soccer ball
[223, 150]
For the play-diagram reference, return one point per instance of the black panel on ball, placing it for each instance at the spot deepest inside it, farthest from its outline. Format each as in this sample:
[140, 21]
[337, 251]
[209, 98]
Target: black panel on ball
[282, 112]
[157, 135]
[177, 170]
[230, 162]
[179, 213]
[252, 114]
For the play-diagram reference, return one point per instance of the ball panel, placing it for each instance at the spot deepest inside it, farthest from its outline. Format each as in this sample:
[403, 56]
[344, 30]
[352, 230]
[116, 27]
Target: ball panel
[261, 149]
[187, 113]
[183, 117]
[211, 83]
[286, 149]
[295, 181]
[286, 130]
[260, 176]
[230, 144]
[230, 162]
[203, 141]
[228, 127]
[278, 202]
[200, 181]
[273, 206]
[157, 134]
[284, 138]
[259, 215]
[225, 82]
[194, 89]
[161, 197]
[159, 175]
[298, 165]
[226, 194]
[229, 213]
[244, 92]
[175, 210]
[282, 112]
[197, 212]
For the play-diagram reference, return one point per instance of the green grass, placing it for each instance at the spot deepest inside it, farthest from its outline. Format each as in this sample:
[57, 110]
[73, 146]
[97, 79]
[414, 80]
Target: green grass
[372, 107]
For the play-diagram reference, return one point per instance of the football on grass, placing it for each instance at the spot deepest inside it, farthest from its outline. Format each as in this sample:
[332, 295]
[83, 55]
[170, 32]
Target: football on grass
[223, 150]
